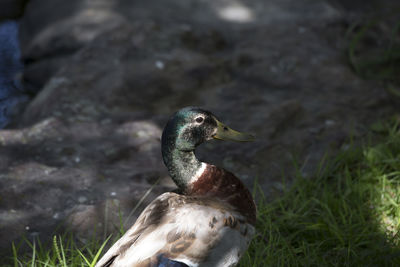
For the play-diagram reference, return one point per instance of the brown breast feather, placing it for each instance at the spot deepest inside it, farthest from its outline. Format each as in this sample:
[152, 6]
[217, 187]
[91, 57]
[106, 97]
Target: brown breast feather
[221, 184]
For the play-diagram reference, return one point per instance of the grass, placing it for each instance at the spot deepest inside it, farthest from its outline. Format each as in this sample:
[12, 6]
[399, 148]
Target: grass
[347, 214]
[64, 251]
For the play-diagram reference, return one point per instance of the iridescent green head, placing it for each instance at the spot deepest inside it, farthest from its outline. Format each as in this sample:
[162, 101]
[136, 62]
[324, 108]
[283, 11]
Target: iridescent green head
[191, 126]
[185, 130]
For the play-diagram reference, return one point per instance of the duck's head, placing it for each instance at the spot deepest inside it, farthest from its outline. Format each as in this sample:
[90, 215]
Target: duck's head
[191, 126]
[185, 130]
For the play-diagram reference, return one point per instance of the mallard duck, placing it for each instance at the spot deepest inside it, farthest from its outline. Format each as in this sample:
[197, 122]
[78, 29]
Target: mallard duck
[209, 222]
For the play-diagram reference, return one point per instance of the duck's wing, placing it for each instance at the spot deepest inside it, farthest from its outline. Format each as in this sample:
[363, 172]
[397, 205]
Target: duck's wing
[191, 230]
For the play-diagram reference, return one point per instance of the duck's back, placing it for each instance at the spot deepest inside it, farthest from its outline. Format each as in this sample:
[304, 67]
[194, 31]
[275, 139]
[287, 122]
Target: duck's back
[194, 230]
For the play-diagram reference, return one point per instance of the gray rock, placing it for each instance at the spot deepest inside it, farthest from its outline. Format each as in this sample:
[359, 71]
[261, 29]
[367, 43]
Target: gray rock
[53, 30]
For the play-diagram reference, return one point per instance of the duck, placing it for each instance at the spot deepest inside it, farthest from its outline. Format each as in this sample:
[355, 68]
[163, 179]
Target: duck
[208, 221]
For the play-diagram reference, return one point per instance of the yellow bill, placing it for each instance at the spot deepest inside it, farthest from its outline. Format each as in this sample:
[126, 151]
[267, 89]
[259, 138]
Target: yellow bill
[226, 133]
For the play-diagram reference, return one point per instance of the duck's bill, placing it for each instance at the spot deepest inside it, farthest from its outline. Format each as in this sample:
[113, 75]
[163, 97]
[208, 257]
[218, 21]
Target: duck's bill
[226, 133]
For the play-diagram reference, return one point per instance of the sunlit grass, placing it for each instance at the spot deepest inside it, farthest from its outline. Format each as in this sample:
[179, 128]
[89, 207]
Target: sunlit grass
[347, 214]
[64, 251]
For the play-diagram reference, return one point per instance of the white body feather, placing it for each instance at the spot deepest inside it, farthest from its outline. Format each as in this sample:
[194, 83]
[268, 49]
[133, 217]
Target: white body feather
[220, 244]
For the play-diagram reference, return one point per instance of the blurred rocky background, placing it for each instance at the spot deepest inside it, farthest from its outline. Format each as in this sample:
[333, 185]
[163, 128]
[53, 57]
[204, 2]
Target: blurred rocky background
[86, 98]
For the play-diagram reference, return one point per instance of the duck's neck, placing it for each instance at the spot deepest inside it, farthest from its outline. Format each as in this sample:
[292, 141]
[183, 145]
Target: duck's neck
[183, 166]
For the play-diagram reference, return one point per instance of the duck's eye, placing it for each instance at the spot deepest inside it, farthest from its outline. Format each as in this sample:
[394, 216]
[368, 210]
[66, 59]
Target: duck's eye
[199, 119]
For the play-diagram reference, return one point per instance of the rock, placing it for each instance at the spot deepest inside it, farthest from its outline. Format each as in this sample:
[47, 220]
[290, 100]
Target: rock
[84, 218]
[43, 185]
[53, 30]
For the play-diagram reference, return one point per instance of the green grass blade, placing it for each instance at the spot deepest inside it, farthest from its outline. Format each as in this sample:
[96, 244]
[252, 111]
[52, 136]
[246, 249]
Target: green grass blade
[83, 257]
[96, 257]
